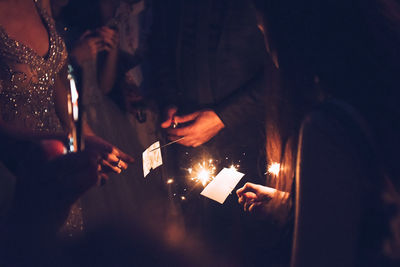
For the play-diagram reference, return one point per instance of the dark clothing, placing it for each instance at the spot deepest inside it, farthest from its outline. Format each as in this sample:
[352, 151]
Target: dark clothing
[210, 54]
[339, 219]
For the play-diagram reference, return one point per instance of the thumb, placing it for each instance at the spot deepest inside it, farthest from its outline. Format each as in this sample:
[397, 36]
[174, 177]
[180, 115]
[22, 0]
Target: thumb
[171, 111]
[186, 118]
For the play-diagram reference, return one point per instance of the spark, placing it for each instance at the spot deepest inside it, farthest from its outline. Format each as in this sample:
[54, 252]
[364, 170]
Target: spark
[274, 168]
[203, 172]
[170, 181]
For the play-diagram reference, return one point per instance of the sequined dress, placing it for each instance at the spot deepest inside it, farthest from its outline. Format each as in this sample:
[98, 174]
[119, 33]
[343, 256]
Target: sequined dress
[27, 89]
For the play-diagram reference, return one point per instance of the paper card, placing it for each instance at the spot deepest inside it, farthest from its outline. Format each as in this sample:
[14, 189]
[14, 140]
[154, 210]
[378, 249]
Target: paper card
[151, 158]
[222, 185]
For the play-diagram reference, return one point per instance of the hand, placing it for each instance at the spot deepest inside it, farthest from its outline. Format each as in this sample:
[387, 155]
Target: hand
[252, 196]
[204, 125]
[171, 112]
[111, 159]
[109, 38]
[87, 48]
[108, 157]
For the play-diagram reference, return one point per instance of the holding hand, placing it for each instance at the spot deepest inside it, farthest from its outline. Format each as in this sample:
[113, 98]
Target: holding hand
[203, 125]
[105, 157]
[252, 196]
[111, 159]
[109, 38]
[87, 48]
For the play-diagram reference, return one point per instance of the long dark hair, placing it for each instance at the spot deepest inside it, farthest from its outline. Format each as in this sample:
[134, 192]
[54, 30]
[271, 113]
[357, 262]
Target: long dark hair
[345, 49]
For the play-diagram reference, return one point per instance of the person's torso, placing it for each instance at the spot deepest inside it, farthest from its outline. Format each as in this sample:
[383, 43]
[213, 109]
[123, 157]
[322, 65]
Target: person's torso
[27, 80]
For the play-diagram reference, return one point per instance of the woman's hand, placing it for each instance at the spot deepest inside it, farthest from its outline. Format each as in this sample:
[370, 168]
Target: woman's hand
[87, 48]
[252, 196]
[111, 159]
[107, 157]
[109, 38]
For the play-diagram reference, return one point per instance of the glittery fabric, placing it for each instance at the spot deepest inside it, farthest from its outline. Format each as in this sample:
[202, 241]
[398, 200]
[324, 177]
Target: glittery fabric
[27, 90]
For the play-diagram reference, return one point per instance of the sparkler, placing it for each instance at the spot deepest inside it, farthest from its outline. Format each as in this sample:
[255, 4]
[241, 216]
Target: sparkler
[167, 144]
[203, 172]
[274, 168]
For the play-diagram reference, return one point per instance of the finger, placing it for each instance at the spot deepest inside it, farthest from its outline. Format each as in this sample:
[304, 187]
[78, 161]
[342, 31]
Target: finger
[241, 200]
[250, 195]
[186, 118]
[171, 111]
[122, 155]
[239, 192]
[247, 204]
[197, 143]
[253, 206]
[250, 187]
[184, 131]
[245, 188]
[109, 42]
[108, 167]
[116, 161]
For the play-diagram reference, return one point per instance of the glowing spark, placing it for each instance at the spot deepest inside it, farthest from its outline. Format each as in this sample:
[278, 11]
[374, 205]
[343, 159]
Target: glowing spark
[203, 176]
[202, 172]
[170, 181]
[183, 198]
[274, 168]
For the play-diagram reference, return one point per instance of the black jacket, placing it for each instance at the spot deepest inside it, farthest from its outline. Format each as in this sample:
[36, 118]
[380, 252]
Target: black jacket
[210, 54]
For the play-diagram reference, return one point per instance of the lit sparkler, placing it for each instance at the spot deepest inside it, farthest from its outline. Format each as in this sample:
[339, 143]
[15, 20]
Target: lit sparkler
[274, 168]
[203, 172]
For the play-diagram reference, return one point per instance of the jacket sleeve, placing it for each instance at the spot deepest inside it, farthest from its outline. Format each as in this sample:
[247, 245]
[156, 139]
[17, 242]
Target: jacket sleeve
[248, 102]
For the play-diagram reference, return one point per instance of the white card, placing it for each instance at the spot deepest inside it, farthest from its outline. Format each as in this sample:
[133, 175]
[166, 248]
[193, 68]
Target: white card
[222, 185]
[151, 158]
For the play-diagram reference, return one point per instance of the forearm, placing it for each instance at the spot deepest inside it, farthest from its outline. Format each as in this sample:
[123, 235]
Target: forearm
[247, 102]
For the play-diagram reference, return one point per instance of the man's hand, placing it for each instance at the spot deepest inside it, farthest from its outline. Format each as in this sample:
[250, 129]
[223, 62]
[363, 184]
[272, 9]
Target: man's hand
[204, 125]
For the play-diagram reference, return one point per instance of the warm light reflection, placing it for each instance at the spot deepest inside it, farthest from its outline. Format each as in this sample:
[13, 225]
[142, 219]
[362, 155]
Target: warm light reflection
[74, 98]
[170, 181]
[274, 168]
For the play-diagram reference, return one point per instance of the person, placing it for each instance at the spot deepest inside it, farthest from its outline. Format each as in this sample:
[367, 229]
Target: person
[332, 130]
[114, 208]
[209, 73]
[34, 126]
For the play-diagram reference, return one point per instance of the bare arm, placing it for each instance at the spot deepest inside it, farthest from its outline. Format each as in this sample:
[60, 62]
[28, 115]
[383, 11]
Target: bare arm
[108, 70]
